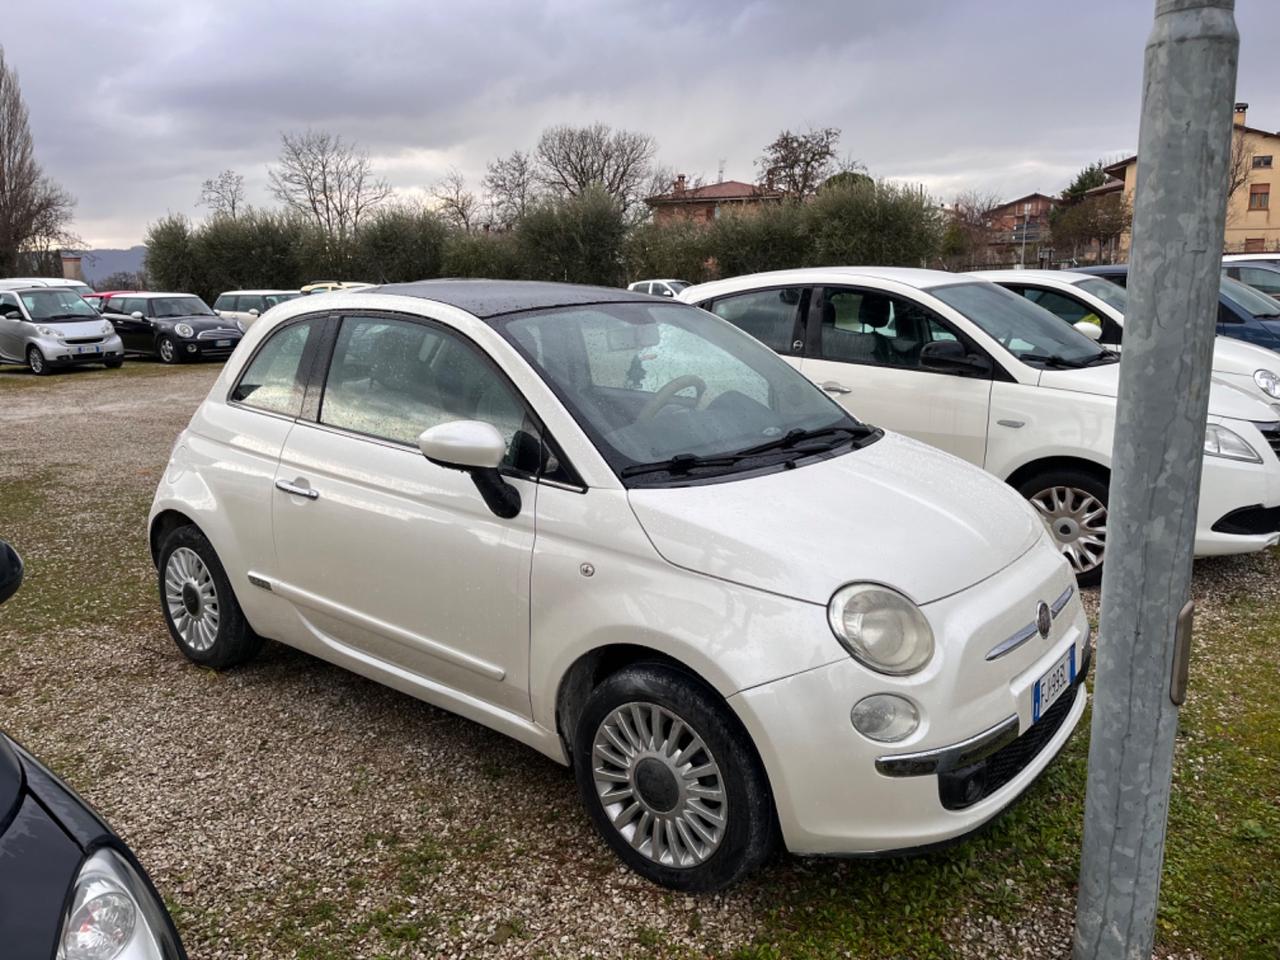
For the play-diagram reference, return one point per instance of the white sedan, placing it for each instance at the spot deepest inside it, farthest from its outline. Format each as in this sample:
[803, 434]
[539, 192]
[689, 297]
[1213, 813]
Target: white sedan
[628, 535]
[982, 373]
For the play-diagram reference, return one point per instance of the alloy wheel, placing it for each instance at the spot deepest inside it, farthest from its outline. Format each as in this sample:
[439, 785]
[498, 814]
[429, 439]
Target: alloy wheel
[659, 784]
[35, 359]
[1077, 521]
[191, 598]
[167, 351]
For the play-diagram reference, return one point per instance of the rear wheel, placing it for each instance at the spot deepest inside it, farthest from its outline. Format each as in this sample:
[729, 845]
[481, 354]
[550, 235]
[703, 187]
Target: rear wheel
[671, 781]
[168, 350]
[1073, 506]
[200, 609]
[37, 363]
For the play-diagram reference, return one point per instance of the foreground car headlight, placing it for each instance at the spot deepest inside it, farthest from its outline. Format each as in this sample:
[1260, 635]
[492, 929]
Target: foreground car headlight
[50, 332]
[184, 330]
[1221, 442]
[881, 628]
[114, 916]
[1268, 383]
[885, 717]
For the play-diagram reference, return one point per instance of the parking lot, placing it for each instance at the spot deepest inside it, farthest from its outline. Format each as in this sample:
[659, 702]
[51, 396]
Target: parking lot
[289, 808]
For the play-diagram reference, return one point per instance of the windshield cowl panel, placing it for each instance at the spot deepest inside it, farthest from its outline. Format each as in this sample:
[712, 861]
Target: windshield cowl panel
[669, 394]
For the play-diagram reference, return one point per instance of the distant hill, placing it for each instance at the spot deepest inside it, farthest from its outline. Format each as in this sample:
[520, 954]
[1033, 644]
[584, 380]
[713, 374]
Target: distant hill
[102, 263]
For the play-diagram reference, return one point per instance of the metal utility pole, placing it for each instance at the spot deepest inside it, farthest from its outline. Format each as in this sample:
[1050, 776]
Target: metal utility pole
[1184, 145]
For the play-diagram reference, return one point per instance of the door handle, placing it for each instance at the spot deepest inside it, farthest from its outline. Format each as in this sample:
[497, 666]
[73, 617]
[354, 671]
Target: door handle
[832, 387]
[298, 490]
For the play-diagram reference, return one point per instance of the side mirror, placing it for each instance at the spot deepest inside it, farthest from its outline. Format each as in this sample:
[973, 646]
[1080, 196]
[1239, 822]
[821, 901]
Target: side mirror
[137, 315]
[254, 312]
[13, 314]
[217, 313]
[10, 571]
[477, 448]
[666, 292]
[1090, 330]
[950, 356]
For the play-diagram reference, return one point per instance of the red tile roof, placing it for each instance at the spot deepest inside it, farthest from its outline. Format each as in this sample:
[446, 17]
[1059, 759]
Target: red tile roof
[725, 190]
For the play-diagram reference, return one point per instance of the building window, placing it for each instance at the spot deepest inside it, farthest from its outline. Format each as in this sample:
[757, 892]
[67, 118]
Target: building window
[1255, 245]
[1262, 162]
[1260, 196]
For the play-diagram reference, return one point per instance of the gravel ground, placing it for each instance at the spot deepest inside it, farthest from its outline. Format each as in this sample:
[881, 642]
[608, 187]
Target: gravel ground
[292, 809]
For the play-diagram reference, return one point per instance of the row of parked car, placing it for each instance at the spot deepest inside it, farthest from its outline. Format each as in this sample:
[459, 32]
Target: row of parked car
[51, 324]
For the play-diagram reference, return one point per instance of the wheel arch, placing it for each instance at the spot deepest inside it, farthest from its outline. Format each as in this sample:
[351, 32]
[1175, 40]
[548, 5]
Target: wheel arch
[163, 524]
[1046, 464]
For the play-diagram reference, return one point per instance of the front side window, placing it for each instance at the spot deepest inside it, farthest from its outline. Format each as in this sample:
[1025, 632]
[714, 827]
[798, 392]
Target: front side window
[272, 299]
[8, 304]
[135, 305]
[768, 315]
[247, 303]
[1030, 333]
[393, 379]
[1248, 299]
[273, 381]
[1106, 291]
[1268, 281]
[868, 326]
[224, 302]
[648, 382]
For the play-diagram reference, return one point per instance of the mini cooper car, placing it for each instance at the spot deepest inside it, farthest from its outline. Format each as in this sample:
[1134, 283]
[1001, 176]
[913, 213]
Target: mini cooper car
[625, 533]
[175, 327]
[69, 887]
[659, 288]
[245, 306]
[969, 367]
[1095, 306]
[50, 328]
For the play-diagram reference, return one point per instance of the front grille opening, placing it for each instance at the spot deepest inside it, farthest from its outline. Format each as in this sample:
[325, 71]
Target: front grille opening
[1271, 432]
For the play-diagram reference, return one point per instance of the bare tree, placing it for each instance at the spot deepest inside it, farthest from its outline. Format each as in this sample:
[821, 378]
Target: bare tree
[328, 181]
[796, 164]
[569, 160]
[510, 186]
[1238, 167]
[223, 194]
[458, 205]
[35, 213]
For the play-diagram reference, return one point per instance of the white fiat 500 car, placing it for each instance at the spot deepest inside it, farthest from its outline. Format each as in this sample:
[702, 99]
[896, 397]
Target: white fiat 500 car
[1095, 306]
[969, 367]
[628, 535]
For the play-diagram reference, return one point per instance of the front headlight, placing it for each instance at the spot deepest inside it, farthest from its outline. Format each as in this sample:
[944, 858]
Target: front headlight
[1221, 442]
[113, 915]
[50, 332]
[184, 330]
[241, 327]
[1268, 383]
[107, 329]
[881, 628]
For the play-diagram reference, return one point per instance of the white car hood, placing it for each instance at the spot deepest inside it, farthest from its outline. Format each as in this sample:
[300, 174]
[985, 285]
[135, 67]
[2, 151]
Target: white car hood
[895, 512]
[1236, 356]
[1224, 399]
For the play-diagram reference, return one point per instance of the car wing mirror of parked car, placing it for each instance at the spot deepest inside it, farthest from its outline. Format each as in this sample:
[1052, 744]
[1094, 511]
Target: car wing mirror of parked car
[1090, 330]
[10, 571]
[13, 314]
[137, 315]
[950, 356]
[255, 312]
[477, 448]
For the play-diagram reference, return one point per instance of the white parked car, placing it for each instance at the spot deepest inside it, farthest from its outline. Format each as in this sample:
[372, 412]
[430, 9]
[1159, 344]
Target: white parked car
[969, 367]
[659, 288]
[1096, 307]
[1235, 259]
[25, 283]
[245, 306]
[631, 537]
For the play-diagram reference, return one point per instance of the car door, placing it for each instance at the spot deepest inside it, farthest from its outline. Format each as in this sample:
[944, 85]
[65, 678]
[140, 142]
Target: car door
[773, 315]
[11, 333]
[392, 561]
[865, 350]
[134, 333]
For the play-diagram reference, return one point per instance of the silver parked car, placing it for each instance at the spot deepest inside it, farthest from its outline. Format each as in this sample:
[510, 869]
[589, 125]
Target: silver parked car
[48, 328]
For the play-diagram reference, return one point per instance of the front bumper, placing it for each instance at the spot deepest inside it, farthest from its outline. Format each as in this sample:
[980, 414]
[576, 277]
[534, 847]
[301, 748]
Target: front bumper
[831, 792]
[1239, 502]
[62, 354]
[200, 349]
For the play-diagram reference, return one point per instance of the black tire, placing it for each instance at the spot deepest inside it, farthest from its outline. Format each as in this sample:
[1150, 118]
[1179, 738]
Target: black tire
[748, 833]
[233, 641]
[36, 362]
[113, 364]
[167, 350]
[1080, 483]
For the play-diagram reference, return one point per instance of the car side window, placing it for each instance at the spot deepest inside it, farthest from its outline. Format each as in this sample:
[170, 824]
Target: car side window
[249, 303]
[1265, 280]
[869, 326]
[224, 303]
[273, 380]
[135, 305]
[9, 304]
[392, 379]
[1061, 306]
[768, 315]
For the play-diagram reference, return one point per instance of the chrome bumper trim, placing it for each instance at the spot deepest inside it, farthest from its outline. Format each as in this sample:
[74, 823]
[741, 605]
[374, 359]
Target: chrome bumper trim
[951, 757]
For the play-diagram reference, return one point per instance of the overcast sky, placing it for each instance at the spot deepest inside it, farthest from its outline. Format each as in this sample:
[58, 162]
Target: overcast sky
[135, 102]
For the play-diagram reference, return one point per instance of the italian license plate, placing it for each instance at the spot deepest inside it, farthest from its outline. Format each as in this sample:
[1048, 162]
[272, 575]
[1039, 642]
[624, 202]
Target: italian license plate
[1056, 681]
[94, 349]
[224, 343]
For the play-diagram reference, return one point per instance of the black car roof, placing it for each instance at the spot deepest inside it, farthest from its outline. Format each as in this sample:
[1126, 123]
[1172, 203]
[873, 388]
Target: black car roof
[491, 298]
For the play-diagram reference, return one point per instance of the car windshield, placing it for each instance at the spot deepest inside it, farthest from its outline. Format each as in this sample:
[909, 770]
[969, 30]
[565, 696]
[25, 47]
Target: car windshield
[649, 382]
[55, 304]
[1250, 300]
[1031, 333]
[1113, 295]
[180, 307]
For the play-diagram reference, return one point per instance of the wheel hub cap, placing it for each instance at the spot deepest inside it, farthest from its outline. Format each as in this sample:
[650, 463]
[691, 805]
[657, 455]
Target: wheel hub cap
[659, 785]
[1078, 522]
[191, 599]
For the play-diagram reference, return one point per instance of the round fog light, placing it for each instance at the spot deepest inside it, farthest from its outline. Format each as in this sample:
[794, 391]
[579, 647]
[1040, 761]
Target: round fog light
[885, 717]
[191, 348]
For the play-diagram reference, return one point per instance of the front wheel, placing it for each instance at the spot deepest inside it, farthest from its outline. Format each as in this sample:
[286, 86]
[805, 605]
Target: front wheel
[113, 364]
[1073, 506]
[37, 363]
[168, 350]
[671, 781]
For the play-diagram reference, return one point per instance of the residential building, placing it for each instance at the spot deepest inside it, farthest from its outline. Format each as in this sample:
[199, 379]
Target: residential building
[706, 203]
[1251, 225]
[1024, 219]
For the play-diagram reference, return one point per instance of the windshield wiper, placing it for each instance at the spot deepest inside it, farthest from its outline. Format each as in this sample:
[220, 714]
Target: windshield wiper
[68, 316]
[792, 438]
[1051, 360]
[682, 463]
[1106, 356]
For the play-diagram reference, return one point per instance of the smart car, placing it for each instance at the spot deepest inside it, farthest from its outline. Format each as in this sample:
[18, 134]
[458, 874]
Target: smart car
[628, 535]
[51, 328]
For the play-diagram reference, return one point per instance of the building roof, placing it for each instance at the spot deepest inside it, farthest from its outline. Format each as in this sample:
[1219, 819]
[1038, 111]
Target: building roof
[1017, 200]
[1111, 186]
[489, 298]
[724, 190]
